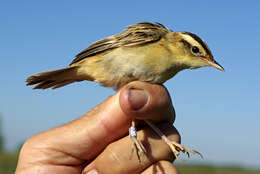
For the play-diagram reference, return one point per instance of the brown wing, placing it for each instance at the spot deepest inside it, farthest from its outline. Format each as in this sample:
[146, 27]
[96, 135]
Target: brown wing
[135, 34]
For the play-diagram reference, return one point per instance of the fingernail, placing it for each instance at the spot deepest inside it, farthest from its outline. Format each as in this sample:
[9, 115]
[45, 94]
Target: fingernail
[137, 98]
[93, 171]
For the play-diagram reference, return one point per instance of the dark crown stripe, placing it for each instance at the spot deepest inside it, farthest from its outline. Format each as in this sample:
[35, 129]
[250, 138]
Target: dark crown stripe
[194, 36]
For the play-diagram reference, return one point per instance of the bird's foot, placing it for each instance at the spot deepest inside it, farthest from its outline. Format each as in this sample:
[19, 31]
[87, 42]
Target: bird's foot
[177, 148]
[136, 146]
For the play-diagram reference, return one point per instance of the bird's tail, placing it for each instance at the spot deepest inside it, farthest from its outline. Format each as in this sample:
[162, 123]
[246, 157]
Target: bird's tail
[54, 79]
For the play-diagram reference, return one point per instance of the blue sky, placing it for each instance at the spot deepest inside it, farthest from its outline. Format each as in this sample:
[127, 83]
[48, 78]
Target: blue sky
[217, 113]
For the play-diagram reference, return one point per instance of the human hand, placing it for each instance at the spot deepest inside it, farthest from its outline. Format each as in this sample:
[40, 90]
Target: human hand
[98, 140]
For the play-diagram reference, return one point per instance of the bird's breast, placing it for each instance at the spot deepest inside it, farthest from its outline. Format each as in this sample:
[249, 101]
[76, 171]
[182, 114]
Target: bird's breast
[150, 63]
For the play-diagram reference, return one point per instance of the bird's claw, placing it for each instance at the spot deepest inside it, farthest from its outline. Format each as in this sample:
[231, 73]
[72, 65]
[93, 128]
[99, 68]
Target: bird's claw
[138, 147]
[177, 148]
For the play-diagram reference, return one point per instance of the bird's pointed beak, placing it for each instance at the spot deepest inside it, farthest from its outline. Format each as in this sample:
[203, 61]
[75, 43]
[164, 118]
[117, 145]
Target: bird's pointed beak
[215, 64]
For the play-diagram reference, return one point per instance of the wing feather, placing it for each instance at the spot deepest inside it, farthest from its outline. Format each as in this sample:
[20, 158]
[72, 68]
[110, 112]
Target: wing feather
[136, 34]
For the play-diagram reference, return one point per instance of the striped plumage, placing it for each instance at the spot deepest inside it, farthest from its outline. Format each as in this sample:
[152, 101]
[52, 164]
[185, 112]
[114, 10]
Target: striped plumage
[137, 34]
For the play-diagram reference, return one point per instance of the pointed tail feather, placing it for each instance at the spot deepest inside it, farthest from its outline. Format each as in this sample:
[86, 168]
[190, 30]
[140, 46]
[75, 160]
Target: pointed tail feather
[54, 79]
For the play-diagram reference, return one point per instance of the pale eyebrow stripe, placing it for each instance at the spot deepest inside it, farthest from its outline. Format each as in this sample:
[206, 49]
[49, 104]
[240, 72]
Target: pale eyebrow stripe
[201, 42]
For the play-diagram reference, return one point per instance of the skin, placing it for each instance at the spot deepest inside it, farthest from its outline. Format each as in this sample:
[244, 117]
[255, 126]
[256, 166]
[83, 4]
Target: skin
[97, 143]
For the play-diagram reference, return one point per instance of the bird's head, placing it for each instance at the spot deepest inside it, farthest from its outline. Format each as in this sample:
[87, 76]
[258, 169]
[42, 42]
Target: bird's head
[193, 52]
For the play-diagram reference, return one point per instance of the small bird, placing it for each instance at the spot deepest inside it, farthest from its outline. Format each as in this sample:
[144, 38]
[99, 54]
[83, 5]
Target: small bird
[148, 52]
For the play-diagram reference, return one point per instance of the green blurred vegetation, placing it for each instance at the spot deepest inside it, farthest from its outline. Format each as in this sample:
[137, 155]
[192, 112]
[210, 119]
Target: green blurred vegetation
[210, 169]
[1, 135]
[8, 162]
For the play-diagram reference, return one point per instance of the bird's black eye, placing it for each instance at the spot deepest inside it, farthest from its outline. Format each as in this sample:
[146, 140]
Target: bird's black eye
[195, 50]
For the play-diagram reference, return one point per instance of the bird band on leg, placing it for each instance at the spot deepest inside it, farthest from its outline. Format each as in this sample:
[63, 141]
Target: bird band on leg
[132, 131]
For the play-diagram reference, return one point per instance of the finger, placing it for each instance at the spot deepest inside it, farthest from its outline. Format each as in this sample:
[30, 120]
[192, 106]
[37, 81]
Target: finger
[83, 139]
[161, 167]
[159, 102]
[115, 158]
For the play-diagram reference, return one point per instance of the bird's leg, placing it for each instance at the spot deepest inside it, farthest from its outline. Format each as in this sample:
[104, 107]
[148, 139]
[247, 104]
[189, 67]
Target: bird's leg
[174, 146]
[136, 144]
